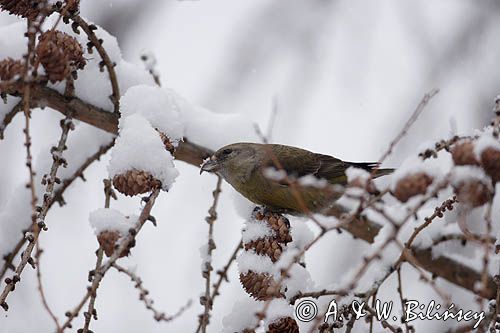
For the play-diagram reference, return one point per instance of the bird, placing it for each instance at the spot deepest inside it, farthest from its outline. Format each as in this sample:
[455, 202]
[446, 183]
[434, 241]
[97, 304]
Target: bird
[284, 178]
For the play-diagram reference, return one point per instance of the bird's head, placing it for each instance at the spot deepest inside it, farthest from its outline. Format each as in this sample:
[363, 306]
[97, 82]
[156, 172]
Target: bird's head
[232, 160]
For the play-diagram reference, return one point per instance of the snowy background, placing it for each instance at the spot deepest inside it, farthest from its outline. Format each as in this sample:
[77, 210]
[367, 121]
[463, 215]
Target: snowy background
[344, 77]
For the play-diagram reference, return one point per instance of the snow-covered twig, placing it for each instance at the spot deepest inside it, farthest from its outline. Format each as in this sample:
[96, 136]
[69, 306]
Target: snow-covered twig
[321, 293]
[438, 212]
[440, 145]
[108, 121]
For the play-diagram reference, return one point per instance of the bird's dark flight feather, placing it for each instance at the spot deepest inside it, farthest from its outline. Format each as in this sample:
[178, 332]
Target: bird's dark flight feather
[299, 162]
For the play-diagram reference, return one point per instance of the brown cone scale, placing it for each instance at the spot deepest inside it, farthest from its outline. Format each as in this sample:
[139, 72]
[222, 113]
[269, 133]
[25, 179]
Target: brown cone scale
[277, 222]
[267, 246]
[134, 182]
[24, 8]
[260, 286]
[283, 325]
[10, 69]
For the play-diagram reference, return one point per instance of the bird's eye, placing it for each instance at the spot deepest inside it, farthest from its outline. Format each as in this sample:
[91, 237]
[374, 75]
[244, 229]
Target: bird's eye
[227, 151]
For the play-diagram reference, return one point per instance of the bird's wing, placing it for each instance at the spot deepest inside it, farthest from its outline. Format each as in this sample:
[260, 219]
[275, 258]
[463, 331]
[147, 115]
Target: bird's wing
[299, 162]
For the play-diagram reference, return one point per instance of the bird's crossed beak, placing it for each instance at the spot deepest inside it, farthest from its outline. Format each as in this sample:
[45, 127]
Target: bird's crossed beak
[210, 165]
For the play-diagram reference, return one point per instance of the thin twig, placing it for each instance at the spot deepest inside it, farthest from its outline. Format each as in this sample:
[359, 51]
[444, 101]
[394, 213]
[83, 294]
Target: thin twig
[438, 212]
[223, 272]
[148, 302]
[374, 299]
[384, 323]
[267, 138]
[58, 197]
[10, 116]
[149, 61]
[96, 278]
[110, 65]
[401, 297]
[91, 312]
[486, 256]
[416, 113]
[321, 293]
[440, 145]
[78, 173]
[31, 34]
[9, 257]
[207, 268]
[124, 244]
[39, 213]
[41, 291]
[223, 276]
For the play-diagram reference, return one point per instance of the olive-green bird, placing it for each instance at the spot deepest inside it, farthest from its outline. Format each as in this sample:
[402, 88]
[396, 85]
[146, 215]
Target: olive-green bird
[248, 167]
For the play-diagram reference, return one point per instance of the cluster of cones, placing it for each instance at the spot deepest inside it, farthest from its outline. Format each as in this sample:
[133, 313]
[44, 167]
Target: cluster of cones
[30, 9]
[59, 53]
[132, 182]
[471, 191]
[263, 286]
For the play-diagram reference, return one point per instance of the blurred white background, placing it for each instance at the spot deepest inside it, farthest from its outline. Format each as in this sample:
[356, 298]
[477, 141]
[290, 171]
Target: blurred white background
[345, 76]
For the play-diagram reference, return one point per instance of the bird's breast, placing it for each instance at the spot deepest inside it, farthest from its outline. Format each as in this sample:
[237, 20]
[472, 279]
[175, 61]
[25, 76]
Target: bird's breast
[263, 191]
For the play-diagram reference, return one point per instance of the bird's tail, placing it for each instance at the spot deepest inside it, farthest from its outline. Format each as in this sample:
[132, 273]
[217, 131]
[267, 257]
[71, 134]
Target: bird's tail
[383, 172]
[371, 166]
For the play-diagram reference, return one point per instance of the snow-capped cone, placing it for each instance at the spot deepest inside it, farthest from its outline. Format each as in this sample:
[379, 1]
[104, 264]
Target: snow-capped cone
[471, 185]
[412, 185]
[110, 226]
[463, 153]
[265, 237]
[490, 161]
[160, 107]
[139, 162]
